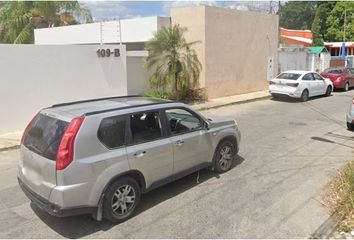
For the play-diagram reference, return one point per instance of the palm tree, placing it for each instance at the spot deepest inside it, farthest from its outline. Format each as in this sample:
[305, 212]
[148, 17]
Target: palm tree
[18, 19]
[172, 60]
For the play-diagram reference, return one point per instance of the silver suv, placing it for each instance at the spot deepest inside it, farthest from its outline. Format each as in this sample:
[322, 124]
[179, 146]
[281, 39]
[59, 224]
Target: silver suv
[98, 156]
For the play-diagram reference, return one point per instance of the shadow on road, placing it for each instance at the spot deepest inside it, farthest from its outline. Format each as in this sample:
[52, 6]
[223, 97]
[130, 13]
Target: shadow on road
[330, 141]
[81, 226]
[294, 100]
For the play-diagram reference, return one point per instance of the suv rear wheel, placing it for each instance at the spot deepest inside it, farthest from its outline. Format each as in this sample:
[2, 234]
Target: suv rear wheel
[224, 156]
[121, 200]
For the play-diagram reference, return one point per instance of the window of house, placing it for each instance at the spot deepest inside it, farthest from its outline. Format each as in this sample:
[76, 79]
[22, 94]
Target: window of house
[145, 126]
[182, 121]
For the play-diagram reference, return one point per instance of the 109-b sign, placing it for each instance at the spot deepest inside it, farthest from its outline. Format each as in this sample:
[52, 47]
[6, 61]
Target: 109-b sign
[107, 52]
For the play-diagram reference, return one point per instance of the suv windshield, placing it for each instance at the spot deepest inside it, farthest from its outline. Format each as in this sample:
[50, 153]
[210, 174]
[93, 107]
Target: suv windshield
[289, 76]
[333, 70]
[45, 135]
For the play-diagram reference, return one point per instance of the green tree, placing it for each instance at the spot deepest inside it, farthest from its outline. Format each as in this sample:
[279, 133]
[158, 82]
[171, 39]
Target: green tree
[18, 19]
[316, 31]
[335, 22]
[172, 60]
[297, 14]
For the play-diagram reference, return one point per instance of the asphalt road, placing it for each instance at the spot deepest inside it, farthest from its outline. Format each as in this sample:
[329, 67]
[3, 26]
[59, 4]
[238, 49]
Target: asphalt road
[288, 153]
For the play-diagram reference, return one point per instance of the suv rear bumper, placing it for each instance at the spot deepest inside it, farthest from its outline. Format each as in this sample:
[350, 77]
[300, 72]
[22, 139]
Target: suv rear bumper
[52, 208]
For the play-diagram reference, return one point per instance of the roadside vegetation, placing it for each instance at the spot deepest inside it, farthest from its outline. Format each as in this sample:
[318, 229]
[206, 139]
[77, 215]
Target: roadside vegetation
[326, 19]
[340, 197]
[174, 65]
[18, 19]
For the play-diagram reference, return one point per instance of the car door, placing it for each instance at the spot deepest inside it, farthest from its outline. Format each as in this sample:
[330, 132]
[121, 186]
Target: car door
[320, 84]
[191, 145]
[149, 149]
[310, 84]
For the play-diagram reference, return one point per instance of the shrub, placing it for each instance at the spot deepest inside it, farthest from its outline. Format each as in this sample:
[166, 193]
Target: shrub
[340, 197]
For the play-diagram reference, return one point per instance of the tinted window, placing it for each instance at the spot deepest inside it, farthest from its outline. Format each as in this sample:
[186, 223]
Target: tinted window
[308, 76]
[145, 126]
[333, 70]
[112, 131]
[289, 76]
[45, 135]
[182, 121]
[317, 77]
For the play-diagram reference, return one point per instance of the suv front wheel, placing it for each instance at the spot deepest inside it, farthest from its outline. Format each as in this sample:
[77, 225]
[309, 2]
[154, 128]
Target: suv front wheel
[224, 156]
[121, 199]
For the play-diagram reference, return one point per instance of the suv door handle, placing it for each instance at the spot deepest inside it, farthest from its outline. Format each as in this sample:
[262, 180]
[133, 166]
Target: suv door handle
[179, 142]
[139, 154]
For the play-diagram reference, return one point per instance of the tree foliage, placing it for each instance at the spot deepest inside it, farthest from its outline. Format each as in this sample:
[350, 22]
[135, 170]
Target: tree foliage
[325, 19]
[335, 22]
[19, 18]
[172, 60]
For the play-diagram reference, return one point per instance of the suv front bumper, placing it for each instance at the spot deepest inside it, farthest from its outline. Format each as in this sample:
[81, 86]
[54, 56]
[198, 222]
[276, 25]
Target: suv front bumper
[52, 208]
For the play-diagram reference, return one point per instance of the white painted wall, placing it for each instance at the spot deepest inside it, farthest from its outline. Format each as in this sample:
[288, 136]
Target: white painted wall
[133, 30]
[34, 77]
[292, 59]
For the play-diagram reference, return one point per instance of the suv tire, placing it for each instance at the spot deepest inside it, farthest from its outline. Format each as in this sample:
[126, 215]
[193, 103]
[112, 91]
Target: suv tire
[121, 199]
[350, 126]
[224, 156]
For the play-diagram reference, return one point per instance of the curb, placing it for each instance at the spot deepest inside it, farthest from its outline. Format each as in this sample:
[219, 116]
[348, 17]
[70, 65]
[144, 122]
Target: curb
[234, 103]
[9, 148]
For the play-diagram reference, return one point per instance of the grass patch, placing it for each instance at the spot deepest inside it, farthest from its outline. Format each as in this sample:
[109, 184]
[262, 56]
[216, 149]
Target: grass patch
[340, 197]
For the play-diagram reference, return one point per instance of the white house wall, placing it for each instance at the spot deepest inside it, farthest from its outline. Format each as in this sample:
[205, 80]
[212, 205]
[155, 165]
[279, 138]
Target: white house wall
[34, 77]
[132, 30]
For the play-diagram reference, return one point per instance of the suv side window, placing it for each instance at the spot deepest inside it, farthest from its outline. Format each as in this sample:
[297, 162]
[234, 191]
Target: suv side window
[308, 77]
[317, 77]
[182, 121]
[112, 131]
[145, 126]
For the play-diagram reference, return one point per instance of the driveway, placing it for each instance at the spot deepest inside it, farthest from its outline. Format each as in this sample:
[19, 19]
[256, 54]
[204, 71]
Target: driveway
[288, 153]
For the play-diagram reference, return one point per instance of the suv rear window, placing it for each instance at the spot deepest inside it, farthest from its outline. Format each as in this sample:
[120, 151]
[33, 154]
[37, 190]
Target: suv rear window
[45, 135]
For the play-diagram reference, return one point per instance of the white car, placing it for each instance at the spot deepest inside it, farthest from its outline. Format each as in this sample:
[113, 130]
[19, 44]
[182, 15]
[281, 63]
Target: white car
[350, 116]
[300, 84]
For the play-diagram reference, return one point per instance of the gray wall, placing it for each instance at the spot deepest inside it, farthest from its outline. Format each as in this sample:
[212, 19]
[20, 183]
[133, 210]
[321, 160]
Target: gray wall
[34, 77]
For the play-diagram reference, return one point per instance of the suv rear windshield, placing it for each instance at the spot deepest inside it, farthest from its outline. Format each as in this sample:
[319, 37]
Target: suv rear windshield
[289, 76]
[333, 70]
[45, 135]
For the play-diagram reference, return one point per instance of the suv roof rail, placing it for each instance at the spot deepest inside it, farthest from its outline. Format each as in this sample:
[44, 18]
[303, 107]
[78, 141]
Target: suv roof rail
[127, 107]
[92, 100]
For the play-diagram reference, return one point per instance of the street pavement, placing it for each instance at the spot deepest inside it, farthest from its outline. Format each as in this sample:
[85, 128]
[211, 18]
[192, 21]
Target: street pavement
[288, 153]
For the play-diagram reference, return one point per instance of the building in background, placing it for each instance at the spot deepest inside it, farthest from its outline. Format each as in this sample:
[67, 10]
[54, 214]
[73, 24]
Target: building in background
[295, 37]
[237, 49]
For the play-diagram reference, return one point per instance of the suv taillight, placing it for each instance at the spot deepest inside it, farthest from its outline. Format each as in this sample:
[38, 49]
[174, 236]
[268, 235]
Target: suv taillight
[353, 101]
[25, 132]
[65, 153]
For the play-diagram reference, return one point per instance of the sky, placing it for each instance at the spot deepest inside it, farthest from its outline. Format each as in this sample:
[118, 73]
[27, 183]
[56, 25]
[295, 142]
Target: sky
[109, 10]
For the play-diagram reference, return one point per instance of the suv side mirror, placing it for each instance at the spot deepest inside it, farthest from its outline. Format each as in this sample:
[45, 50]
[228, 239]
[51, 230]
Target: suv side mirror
[206, 125]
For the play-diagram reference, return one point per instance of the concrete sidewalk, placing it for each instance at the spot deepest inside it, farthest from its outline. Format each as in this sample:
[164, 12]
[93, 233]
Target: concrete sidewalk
[12, 140]
[236, 99]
